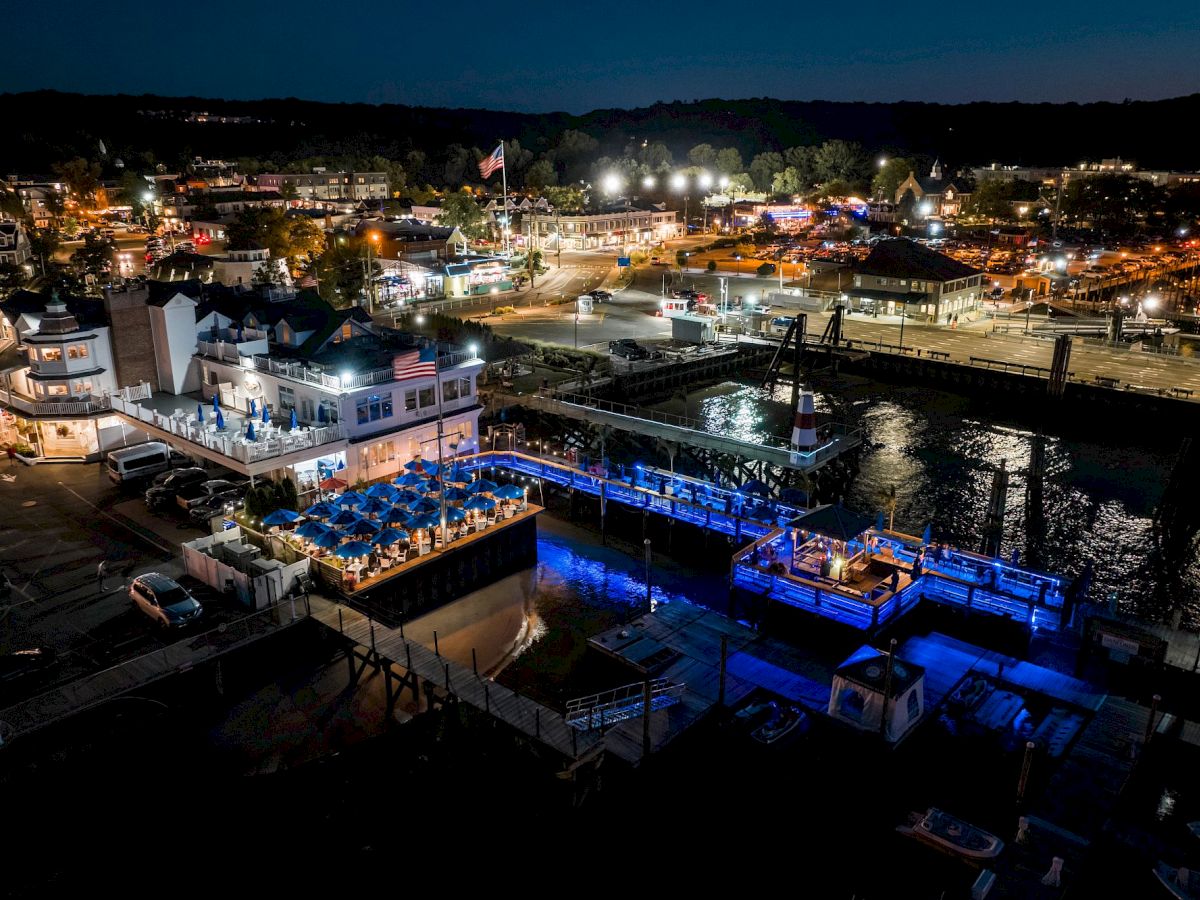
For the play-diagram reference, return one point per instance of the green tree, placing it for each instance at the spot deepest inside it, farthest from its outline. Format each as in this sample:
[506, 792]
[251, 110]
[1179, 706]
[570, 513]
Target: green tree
[12, 277]
[287, 190]
[461, 166]
[11, 205]
[305, 237]
[840, 159]
[566, 199]
[1116, 203]
[44, 243]
[802, 159]
[991, 200]
[516, 159]
[81, 176]
[396, 174]
[788, 182]
[764, 168]
[1182, 206]
[890, 176]
[655, 157]
[63, 279]
[729, 161]
[540, 175]
[703, 156]
[340, 271]
[288, 496]
[95, 256]
[287, 237]
[906, 208]
[459, 210]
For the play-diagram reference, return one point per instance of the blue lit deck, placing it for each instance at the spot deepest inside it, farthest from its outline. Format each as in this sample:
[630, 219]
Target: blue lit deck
[963, 579]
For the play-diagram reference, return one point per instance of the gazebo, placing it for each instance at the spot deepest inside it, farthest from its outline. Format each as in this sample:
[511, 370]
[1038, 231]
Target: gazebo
[857, 696]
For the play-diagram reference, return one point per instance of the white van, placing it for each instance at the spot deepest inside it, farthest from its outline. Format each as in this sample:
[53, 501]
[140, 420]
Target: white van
[141, 461]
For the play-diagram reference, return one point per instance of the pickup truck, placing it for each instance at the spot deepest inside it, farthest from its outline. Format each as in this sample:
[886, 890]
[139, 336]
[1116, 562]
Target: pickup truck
[628, 348]
[196, 494]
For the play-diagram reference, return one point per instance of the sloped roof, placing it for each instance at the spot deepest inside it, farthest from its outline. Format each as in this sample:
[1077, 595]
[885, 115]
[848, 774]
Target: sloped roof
[871, 672]
[902, 258]
[835, 521]
[88, 311]
[162, 292]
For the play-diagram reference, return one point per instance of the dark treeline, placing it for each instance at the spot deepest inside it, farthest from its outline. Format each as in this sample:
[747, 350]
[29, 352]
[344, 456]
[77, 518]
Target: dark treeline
[45, 126]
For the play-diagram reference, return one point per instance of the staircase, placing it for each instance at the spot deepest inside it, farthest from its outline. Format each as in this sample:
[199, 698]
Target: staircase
[620, 704]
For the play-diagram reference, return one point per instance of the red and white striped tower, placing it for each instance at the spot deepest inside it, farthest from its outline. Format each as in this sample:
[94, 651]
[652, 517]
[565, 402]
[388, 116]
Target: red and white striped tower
[804, 431]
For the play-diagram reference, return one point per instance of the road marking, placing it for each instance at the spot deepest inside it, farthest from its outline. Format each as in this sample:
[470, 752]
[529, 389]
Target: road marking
[125, 525]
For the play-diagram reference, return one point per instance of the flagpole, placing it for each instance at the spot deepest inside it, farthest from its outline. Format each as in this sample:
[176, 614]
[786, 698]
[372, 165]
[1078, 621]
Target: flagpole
[437, 374]
[504, 177]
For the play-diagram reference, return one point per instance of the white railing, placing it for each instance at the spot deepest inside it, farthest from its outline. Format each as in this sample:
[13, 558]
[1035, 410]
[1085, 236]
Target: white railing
[272, 442]
[53, 407]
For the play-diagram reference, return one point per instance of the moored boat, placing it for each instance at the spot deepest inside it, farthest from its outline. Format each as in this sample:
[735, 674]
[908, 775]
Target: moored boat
[1179, 882]
[786, 720]
[952, 834]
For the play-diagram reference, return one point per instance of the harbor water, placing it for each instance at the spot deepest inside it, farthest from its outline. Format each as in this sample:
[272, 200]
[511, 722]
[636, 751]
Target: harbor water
[940, 450]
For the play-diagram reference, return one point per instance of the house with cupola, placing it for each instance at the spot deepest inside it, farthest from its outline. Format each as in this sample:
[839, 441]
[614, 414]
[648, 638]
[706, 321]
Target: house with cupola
[937, 195]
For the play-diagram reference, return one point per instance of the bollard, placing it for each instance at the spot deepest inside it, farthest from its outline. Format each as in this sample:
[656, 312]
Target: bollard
[435, 645]
[371, 624]
[341, 630]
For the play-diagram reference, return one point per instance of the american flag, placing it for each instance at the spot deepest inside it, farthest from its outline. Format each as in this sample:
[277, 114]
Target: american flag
[308, 281]
[493, 162]
[415, 363]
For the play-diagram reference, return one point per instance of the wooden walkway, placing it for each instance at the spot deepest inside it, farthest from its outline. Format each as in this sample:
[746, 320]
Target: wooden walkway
[389, 646]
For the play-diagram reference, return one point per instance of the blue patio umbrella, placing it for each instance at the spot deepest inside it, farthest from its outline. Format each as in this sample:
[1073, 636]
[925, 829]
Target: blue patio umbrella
[253, 408]
[373, 507]
[293, 424]
[397, 514]
[428, 520]
[482, 486]
[250, 436]
[350, 498]
[345, 517]
[311, 529]
[410, 479]
[321, 510]
[509, 492]
[266, 415]
[328, 538]
[422, 465]
[406, 497]
[389, 536]
[927, 536]
[455, 493]
[220, 420]
[363, 527]
[458, 474]
[352, 549]
[424, 505]
[382, 490]
[454, 514]
[216, 402]
[341, 464]
[480, 502]
[200, 413]
[280, 517]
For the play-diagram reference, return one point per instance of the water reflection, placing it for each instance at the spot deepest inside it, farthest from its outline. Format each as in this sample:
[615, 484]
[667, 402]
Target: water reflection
[940, 451]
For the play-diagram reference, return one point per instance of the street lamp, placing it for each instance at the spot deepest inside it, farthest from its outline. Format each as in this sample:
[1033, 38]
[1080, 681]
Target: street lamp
[648, 182]
[495, 291]
[611, 183]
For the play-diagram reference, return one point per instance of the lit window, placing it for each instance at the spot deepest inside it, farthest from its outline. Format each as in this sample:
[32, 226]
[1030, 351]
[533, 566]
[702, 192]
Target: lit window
[374, 408]
[346, 330]
[51, 354]
[410, 401]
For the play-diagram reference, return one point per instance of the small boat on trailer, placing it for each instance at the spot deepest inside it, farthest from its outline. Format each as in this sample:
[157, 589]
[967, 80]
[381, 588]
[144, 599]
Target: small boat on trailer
[1180, 882]
[951, 834]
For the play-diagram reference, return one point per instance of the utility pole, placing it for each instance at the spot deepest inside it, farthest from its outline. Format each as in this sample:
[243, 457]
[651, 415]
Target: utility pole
[1057, 207]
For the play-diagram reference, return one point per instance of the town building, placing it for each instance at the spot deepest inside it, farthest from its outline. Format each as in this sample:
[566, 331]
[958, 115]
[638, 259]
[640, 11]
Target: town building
[321, 184]
[412, 241]
[223, 203]
[902, 277]
[937, 196]
[14, 246]
[614, 227]
[40, 197]
[1051, 175]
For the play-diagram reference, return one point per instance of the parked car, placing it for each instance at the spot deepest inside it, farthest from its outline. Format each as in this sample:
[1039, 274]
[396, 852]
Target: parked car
[217, 504]
[164, 600]
[628, 348]
[195, 494]
[167, 484]
[600, 296]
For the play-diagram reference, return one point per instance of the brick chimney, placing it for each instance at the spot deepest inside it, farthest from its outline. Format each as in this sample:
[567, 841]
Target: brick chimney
[133, 341]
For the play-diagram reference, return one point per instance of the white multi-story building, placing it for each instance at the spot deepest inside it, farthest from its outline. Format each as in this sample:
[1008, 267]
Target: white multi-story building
[14, 246]
[616, 227]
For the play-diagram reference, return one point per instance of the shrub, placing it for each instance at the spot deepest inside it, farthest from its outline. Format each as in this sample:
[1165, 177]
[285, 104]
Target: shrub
[712, 265]
[766, 269]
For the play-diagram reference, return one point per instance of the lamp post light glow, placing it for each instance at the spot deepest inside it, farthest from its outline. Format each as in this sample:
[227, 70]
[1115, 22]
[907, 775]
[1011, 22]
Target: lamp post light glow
[927, 208]
[678, 181]
[473, 349]
[705, 180]
[611, 183]
[648, 182]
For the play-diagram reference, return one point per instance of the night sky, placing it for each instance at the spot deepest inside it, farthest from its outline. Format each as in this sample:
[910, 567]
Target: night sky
[539, 56]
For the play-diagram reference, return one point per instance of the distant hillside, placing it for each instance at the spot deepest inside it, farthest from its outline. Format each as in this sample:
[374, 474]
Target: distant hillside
[48, 125]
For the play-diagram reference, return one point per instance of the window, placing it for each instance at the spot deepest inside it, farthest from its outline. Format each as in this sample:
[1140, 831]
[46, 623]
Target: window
[77, 351]
[426, 398]
[914, 706]
[450, 389]
[361, 180]
[374, 408]
[82, 387]
[287, 398]
[346, 330]
[51, 354]
[464, 387]
[858, 281]
[56, 390]
[410, 401]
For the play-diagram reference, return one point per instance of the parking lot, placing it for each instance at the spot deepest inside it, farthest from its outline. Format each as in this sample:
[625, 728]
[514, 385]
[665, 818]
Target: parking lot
[60, 521]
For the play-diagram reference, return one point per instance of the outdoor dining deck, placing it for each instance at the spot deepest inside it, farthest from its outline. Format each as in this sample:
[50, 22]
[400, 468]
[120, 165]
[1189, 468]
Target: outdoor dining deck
[873, 578]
